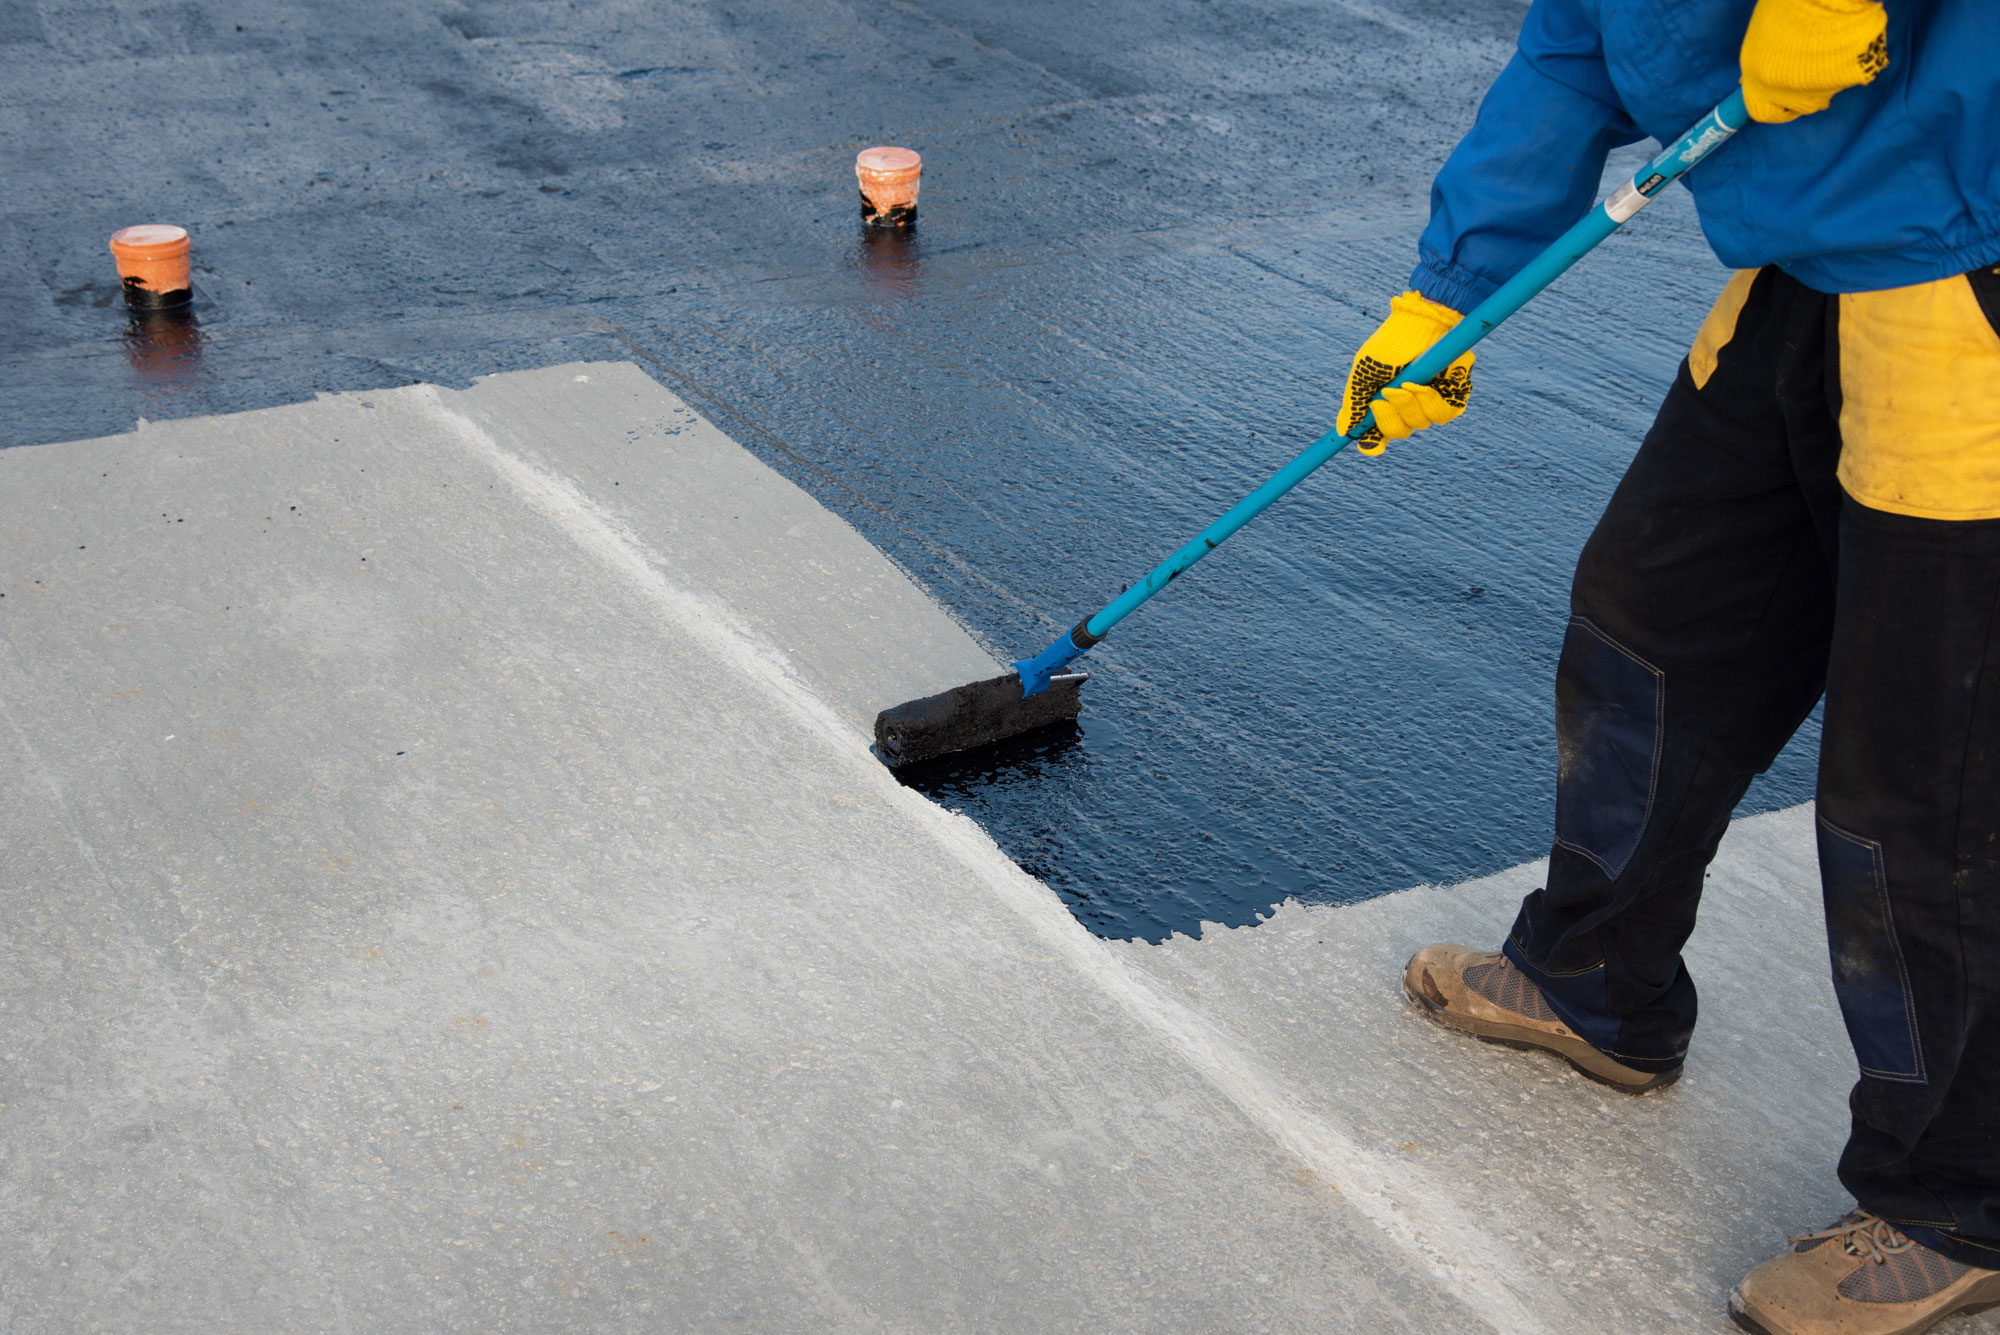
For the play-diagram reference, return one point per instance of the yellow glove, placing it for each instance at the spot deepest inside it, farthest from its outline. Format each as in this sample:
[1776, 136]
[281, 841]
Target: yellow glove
[1798, 53]
[1415, 322]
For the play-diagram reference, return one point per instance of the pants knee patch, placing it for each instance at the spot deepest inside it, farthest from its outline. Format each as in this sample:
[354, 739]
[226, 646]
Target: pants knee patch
[1869, 974]
[1610, 715]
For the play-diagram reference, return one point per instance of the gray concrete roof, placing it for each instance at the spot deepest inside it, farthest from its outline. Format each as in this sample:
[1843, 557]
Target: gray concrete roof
[447, 887]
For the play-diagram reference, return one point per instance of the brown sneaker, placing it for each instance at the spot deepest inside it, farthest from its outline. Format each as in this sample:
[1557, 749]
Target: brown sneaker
[1480, 992]
[1860, 1277]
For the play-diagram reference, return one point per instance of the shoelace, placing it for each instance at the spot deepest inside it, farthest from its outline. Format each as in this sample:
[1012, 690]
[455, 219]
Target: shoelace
[1865, 1235]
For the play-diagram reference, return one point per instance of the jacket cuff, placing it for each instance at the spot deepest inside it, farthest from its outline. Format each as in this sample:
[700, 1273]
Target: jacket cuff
[1449, 285]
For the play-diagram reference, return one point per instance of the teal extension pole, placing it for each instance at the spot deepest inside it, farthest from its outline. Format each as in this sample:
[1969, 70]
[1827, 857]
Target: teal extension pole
[1708, 134]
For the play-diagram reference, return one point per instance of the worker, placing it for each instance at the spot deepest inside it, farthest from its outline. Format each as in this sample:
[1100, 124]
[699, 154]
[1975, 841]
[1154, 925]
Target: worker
[1816, 510]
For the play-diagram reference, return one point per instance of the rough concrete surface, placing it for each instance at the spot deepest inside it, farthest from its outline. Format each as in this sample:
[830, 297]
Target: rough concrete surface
[446, 887]
[440, 895]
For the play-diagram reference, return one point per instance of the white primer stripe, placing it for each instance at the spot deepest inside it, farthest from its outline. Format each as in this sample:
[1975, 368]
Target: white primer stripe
[1420, 1216]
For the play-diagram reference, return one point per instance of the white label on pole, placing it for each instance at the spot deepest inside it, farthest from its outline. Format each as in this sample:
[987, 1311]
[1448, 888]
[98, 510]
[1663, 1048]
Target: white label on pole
[1625, 201]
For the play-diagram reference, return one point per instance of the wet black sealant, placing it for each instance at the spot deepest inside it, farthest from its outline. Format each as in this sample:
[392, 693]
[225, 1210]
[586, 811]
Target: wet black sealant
[1152, 235]
[898, 216]
[140, 298]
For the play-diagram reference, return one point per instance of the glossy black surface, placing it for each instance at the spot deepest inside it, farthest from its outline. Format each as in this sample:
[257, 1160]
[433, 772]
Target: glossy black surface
[1152, 234]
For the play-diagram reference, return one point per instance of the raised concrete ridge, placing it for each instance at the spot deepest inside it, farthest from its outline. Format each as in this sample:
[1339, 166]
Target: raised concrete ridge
[447, 887]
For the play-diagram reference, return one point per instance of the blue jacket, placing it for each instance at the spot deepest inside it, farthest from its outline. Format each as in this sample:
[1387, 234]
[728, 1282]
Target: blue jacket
[1896, 183]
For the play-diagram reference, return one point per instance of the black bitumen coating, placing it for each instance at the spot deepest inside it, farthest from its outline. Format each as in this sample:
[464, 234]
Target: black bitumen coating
[1152, 233]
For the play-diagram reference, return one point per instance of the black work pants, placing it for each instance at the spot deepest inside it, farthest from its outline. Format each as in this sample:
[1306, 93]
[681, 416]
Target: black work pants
[1730, 582]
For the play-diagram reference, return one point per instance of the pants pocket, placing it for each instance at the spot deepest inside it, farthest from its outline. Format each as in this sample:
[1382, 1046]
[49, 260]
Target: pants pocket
[1869, 975]
[1920, 399]
[1986, 291]
[1720, 327]
[1610, 713]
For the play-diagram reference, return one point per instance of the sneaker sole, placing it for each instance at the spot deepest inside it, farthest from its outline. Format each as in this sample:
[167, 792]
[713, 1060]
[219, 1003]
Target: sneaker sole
[1580, 1055]
[1989, 1298]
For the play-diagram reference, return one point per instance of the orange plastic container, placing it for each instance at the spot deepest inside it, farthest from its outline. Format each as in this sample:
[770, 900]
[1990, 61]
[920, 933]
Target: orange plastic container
[153, 265]
[889, 181]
